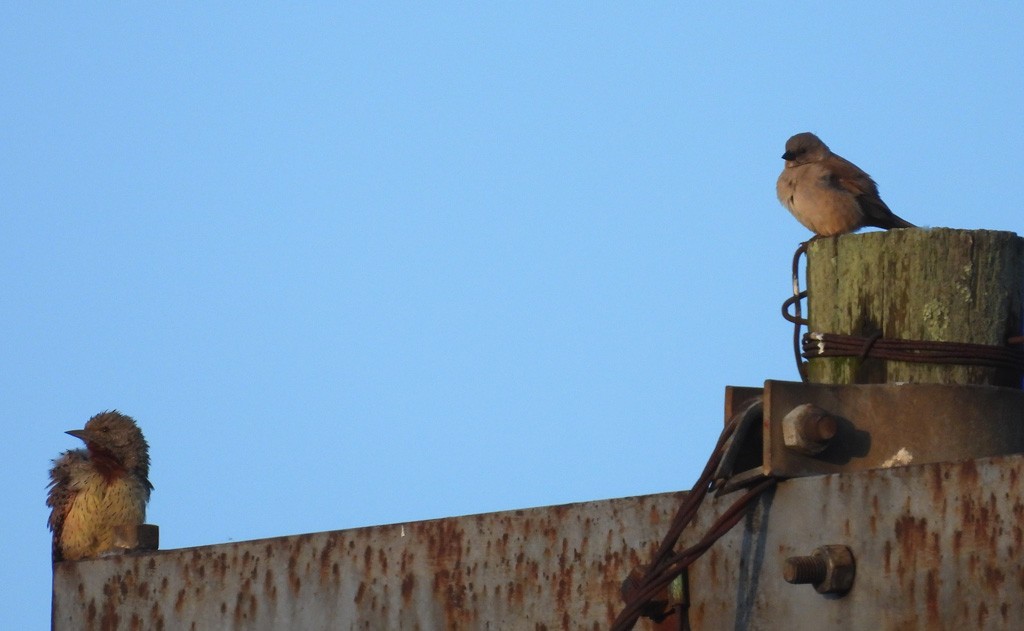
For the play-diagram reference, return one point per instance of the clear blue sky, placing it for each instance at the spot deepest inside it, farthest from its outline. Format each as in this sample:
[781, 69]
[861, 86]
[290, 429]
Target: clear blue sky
[389, 262]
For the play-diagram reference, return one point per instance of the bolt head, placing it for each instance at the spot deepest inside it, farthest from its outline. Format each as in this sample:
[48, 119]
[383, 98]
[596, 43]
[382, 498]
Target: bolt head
[807, 429]
[840, 569]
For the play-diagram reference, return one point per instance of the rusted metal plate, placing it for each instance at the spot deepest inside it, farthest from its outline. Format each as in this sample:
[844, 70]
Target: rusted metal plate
[558, 567]
[737, 397]
[937, 546]
[886, 425]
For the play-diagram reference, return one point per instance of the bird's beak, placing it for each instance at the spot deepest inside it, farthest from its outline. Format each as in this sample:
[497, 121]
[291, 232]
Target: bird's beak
[79, 433]
[787, 156]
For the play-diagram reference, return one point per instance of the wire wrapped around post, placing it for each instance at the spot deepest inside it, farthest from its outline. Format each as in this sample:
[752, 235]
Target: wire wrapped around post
[922, 351]
[797, 316]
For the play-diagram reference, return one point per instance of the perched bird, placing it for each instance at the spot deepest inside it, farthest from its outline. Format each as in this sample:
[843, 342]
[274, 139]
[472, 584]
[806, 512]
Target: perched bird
[828, 194]
[92, 490]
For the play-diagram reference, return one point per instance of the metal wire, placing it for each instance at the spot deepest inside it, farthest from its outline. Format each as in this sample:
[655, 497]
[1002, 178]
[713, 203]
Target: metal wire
[921, 351]
[797, 317]
[666, 564]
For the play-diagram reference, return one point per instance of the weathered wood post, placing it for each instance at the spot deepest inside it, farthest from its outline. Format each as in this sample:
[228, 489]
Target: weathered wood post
[916, 284]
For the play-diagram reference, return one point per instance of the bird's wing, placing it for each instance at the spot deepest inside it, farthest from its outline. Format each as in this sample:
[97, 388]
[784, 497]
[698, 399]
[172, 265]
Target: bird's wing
[62, 493]
[847, 176]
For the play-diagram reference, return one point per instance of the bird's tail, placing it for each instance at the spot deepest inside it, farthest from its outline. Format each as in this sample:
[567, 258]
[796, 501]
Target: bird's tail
[898, 222]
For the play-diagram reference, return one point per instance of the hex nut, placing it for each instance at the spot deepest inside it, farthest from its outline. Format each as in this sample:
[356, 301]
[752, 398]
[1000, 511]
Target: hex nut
[831, 569]
[808, 429]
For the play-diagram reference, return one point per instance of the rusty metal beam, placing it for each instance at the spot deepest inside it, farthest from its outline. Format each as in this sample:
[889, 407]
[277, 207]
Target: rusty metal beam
[557, 567]
[936, 544]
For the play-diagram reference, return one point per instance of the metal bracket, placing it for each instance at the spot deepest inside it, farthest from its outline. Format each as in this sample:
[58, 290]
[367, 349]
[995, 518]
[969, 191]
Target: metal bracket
[843, 428]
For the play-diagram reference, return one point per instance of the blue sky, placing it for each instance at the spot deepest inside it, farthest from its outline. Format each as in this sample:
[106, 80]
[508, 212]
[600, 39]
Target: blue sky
[382, 262]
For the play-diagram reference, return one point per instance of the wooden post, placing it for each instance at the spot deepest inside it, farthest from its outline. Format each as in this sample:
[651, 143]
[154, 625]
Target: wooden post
[916, 284]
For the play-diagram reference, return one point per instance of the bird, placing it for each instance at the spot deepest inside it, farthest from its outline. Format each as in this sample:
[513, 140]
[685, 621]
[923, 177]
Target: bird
[827, 193]
[93, 490]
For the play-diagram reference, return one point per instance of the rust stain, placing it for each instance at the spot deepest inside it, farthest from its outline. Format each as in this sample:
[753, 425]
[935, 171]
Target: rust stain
[873, 517]
[109, 618]
[936, 482]
[368, 559]
[269, 587]
[327, 559]
[294, 578]
[156, 618]
[982, 614]
[408, 584]
[932, 598]
[994, 578]
[912, 536]
[968, 473]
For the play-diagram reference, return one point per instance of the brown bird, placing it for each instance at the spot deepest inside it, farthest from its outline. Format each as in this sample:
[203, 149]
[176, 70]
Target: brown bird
[828, 194]
[92, 490]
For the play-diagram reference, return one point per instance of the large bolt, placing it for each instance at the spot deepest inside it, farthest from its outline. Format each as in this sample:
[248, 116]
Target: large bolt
[805, 570]
[807, 429]
[829, 568]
